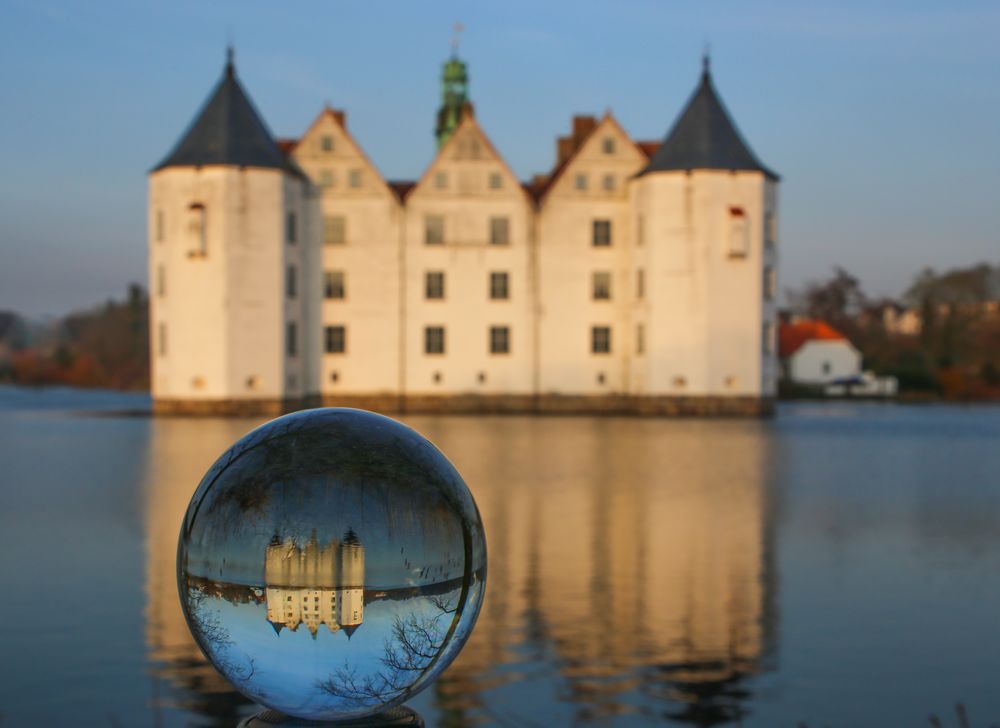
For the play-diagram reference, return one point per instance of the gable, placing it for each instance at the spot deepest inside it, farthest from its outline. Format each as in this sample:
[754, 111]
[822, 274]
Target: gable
[606, 160]
[468, 165]
[333, 160]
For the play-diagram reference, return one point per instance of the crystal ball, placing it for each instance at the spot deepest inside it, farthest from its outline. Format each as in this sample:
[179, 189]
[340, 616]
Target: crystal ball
[331, 564]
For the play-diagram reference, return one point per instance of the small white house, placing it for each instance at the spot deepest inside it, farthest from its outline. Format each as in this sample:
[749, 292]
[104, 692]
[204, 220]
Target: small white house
[814, 353]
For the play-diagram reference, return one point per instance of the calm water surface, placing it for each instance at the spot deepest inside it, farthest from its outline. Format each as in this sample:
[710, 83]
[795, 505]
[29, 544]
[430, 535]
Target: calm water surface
[837, 566]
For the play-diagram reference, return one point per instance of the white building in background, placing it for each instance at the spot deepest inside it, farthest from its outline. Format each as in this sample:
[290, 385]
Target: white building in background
[634, 277]
[815, 354]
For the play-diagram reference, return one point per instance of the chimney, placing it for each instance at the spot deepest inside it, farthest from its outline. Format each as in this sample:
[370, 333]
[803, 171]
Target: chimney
[583, 124]
[564, 148]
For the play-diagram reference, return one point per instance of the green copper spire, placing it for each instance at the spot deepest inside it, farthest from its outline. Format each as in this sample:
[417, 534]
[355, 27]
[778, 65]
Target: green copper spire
[454, 94]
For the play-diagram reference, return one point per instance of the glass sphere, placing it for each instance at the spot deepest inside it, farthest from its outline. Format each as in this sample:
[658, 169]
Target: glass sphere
[331, 564]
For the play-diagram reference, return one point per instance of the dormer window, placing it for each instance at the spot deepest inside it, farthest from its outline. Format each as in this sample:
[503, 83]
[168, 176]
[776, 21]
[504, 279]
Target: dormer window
[197, 230]
[608, 145]
[739, 233]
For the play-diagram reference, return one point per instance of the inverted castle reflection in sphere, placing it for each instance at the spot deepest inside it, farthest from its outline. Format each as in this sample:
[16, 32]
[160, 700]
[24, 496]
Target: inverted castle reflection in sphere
[315, 584]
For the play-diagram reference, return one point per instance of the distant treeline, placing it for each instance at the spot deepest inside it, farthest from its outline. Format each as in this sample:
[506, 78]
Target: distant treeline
[106, 346]
[952, 351]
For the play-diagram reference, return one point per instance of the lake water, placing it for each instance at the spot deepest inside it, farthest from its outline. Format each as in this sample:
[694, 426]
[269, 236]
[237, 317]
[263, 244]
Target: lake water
[836, 566]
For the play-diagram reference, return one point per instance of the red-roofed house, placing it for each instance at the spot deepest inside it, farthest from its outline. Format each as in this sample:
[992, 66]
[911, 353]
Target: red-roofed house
[813, 352]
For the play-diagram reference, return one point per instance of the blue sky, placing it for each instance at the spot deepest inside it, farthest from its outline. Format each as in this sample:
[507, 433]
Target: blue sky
[881, 116]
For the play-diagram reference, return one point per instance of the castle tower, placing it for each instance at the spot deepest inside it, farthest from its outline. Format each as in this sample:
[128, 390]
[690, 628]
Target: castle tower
[705, 240]
[232, 233]
[350, 596]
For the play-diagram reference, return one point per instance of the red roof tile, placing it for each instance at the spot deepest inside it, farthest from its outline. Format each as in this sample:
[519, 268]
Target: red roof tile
[791, 337]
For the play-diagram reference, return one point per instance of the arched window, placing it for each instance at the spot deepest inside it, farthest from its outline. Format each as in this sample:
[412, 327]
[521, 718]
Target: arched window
[739, 233]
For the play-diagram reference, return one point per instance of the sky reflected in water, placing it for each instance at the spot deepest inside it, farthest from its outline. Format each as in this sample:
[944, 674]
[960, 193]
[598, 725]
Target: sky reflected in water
[836, 566]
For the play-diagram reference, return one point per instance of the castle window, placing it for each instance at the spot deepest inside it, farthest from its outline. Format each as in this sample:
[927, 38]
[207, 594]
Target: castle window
[441, 180]
[335, 339]
[640, 284]
[609, 182]
[608, 146]
[434, 285]
[499, 339]
[291, 338]
[640, 339]
[334, 230]
[739, 233]
[602, 233]
[640, 230]
[601, 286]
[326, 178]
[161, 339]
[326, 143]
[499, 231]
[600, 378]
[770, 283]
[159, 226]
[198, 230]
[161, 281]
[770, 233]
[434, 340]
[290, 225]
[334, 284]
[600, 339]
[768, 337]
[354, 178]
[291, 282]
[434, 230]
[496, 181]
[580, 182]
[499, 286]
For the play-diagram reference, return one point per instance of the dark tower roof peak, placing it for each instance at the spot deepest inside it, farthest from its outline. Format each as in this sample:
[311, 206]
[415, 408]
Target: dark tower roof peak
[228, 131]
[704, 136]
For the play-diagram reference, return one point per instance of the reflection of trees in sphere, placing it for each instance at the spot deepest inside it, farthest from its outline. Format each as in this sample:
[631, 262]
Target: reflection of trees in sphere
[331, 563]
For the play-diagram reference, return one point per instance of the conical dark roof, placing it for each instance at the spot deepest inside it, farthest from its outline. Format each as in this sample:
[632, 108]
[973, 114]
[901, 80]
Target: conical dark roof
[228, 131]
[704, 137]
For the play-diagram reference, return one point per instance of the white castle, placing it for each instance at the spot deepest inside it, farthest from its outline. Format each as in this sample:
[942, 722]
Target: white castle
[315, 584]
[635, 277]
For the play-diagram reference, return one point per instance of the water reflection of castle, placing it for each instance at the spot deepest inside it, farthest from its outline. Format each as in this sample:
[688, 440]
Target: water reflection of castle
[632, 558]
[315, 584]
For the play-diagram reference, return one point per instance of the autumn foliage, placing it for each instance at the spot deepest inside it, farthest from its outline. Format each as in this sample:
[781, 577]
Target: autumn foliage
[103, 347]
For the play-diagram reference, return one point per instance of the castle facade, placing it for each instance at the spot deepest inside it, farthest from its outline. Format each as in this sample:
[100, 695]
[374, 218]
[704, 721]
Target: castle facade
[635, 277]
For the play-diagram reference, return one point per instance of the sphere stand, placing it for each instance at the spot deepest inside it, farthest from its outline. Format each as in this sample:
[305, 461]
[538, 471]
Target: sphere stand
[398, 717]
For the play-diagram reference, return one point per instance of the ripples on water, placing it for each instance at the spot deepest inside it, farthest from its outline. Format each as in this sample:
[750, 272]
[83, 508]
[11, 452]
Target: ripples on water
[836, 566]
